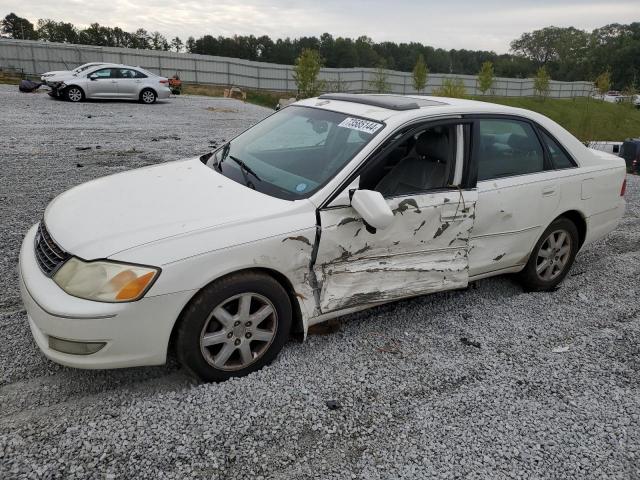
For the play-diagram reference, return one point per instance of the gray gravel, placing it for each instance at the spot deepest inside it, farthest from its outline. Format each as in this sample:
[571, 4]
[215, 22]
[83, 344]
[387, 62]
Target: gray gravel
[413, 400]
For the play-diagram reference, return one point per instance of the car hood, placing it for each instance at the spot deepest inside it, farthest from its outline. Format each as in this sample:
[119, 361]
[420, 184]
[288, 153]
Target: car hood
[109, 215]
[57, 72]
[62, 76]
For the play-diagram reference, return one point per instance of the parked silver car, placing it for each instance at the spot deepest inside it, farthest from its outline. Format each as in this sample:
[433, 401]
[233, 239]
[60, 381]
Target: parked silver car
[111, 81]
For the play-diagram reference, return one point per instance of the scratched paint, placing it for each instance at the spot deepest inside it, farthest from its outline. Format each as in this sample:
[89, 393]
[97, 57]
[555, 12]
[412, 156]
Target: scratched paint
[348, 284]
[423, 251]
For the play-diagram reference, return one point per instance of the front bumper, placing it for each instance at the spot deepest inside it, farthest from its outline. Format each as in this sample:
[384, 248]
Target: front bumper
[135, 333]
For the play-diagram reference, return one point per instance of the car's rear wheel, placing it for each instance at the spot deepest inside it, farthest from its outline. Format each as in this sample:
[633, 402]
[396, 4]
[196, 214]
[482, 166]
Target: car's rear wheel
[233, 327]
[148, 96]
[74, 94]
[552, 256]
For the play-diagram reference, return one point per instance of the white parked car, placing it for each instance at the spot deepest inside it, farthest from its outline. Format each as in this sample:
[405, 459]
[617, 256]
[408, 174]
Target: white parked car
[329, 206]
[111, 81]
[59, 73]
[604, 146]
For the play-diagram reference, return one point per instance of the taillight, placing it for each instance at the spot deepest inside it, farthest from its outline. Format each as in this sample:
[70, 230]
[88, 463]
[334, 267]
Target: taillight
[166, 82]
[624, 187]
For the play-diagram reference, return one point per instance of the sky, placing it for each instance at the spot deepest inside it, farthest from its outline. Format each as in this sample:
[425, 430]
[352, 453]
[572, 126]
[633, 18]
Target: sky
[469, 24]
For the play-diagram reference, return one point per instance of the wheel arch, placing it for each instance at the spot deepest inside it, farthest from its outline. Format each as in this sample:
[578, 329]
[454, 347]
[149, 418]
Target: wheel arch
[297, 327]
[67, 87]
[579, 221]
[147, 88]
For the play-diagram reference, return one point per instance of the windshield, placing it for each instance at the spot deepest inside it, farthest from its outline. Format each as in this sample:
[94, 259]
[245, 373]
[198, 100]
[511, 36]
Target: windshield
[295, 151]
[82, 68]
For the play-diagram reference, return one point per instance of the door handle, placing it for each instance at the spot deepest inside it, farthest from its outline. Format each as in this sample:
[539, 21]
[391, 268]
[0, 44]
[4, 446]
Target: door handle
[548, 191]
[114, 81]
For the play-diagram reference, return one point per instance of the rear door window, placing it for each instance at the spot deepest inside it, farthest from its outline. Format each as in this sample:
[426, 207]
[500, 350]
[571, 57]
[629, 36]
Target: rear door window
[507, 148]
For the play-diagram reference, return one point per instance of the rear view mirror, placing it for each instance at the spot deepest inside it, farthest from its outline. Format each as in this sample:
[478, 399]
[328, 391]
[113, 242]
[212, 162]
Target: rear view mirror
[319, 126]
[372, 207]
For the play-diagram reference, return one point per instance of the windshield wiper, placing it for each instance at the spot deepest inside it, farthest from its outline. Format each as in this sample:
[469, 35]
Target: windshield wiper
[225, 152]
[244, 167]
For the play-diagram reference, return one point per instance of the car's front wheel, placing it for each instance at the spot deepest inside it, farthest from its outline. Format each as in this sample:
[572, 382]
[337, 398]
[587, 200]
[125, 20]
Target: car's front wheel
[74, 94]
[552, 256]
[234, 326]
[148, 96]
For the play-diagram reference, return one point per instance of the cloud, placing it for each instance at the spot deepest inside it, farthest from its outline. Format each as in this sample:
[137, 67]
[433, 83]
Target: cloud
[487, 25]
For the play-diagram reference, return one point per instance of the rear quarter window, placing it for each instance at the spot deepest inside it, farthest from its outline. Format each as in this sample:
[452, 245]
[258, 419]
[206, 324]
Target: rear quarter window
[558, 157]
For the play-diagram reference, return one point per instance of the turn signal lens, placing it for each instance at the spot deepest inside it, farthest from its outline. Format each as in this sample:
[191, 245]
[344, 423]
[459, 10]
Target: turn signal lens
[135, 287]
[105, 281]
[623, 190]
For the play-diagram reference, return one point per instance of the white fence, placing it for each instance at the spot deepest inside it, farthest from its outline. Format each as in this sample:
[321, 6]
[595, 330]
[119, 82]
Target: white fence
[38, 57]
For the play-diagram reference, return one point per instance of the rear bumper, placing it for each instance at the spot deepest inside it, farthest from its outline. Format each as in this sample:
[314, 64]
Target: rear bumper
[134, 334]
[164, 92]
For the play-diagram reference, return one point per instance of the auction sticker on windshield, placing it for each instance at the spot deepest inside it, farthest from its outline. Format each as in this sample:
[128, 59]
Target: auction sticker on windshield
[361, 125]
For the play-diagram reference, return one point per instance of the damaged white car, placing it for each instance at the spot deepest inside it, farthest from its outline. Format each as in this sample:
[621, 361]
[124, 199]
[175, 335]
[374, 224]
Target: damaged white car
[329, 206]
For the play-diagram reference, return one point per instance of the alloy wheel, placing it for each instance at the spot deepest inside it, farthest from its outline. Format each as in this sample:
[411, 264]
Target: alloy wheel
[148, 96]
[553, 255]
[74, 94]
[238, 331]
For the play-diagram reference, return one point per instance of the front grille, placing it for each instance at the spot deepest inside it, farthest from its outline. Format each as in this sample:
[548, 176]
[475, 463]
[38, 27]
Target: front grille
[49, 255]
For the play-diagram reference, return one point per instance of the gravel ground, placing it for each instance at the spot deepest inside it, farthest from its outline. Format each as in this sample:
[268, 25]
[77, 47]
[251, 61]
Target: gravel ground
[412, 400]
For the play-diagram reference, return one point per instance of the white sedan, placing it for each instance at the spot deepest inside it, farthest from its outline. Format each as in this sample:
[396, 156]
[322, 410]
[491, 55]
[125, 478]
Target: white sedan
[329, 206]
[110, 81]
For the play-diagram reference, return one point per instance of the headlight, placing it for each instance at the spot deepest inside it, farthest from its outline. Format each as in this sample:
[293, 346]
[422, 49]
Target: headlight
[105, 281]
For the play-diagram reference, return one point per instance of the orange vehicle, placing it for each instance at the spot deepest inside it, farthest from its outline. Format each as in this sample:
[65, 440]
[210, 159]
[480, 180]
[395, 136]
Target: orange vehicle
[175, 84]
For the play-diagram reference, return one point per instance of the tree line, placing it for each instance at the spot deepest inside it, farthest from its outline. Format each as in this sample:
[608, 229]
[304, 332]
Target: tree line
[567, 54]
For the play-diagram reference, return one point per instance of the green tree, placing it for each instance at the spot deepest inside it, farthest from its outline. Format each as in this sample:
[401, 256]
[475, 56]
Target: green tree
[158, 41]
[191, 45]
[485, 77]
[541, 83]
[176, 44]
[603, 82]
[379, 83]
[420, 74]
[53, 31]
[141, 39]
[453, 88]
[551, 44]
[305, 73]
[18, 27]
[366, 55]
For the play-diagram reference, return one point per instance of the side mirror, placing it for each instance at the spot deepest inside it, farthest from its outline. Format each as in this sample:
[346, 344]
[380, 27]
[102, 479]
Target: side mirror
[92, 77]
[372, 207]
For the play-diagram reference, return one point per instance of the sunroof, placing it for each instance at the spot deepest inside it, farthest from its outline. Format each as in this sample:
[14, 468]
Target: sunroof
[391, 102]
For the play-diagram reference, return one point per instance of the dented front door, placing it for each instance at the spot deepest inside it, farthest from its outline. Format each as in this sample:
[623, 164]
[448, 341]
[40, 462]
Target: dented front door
[424, 250]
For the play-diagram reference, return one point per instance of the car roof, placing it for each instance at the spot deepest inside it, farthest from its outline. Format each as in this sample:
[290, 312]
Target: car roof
[390, 102]
[384, 107]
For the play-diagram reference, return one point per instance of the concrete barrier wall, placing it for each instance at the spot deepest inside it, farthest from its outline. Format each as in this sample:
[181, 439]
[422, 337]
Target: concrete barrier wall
[37, 57]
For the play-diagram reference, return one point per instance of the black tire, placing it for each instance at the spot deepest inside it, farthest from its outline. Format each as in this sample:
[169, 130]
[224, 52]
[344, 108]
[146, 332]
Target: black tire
[74, 94]
[529, 277]
[194, 323]
[148, 96]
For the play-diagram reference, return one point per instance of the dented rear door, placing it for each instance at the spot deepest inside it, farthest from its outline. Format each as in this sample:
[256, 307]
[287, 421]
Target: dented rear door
[424, 250]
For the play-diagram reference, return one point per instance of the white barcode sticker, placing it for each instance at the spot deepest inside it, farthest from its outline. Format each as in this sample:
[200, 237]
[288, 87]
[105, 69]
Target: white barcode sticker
[361, 125]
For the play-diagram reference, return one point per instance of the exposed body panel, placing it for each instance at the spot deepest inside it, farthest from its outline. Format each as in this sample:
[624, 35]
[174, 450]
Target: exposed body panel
[424, 250]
